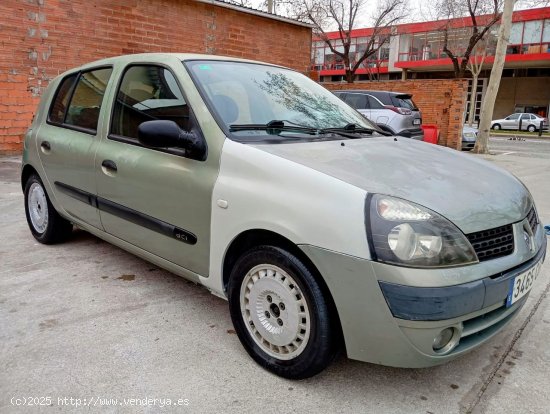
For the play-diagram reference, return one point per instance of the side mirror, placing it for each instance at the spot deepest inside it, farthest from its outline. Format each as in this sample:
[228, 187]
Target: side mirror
[167, 134]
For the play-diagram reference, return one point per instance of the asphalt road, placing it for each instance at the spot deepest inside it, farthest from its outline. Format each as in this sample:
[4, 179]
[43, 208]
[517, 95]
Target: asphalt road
[86, 320]
[531, 147]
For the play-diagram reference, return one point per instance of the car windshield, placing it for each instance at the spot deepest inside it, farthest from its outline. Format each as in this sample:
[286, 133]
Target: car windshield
[251, 99]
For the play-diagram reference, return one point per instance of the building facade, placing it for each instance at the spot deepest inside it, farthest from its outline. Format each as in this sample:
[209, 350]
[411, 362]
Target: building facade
[40, 39]
[415, 51]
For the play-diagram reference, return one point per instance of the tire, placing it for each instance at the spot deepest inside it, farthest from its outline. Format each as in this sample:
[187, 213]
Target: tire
[305, 339]
[496, 127]
[531, 128]
[45, 223]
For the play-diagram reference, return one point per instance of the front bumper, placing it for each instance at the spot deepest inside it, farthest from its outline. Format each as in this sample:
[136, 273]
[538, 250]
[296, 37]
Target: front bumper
[372, 333]
[468, 145]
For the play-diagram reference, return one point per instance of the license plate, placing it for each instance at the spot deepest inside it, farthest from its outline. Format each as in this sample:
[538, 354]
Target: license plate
[522, 284]
[417, 121]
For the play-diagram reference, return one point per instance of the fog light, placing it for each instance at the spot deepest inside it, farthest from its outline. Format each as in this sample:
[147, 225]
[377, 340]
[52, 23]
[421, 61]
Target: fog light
[443, 339]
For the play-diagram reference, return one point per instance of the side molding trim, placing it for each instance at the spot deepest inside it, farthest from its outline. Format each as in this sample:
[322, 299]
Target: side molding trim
[128, 214]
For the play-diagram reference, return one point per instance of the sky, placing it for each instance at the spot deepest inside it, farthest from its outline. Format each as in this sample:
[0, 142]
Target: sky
[419, 10]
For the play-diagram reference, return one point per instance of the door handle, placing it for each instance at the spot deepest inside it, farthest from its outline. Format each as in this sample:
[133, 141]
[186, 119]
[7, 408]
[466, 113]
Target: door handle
[109, 165]
[45, 145]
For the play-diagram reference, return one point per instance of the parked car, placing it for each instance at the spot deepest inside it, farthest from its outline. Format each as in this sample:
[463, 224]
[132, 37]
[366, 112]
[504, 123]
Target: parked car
[256, 182]
[393, 112]
[529, 122]
[469, 137]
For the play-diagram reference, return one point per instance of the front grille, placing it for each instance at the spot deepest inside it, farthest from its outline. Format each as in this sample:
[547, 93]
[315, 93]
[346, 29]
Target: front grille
[493, 243]
[533, 219]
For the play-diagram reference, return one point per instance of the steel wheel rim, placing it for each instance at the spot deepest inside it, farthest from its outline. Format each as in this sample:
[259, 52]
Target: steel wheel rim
[284, 334]
[38, 207]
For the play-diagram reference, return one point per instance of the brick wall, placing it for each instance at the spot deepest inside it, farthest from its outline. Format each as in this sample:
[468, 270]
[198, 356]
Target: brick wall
[40, 39]
[442, 102]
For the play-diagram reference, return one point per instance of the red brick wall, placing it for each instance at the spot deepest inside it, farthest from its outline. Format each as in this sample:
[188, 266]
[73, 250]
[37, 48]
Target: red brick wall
[40, 39]
[442, 102]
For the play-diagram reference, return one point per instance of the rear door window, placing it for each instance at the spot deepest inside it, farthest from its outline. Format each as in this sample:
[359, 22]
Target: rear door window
[61, 100]
[341, 95]
[83, 111]
[373, 103]
[357, 100]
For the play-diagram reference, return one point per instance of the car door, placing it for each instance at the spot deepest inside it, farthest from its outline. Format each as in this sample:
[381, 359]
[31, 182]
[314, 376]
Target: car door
[67, 142]
[378, 113]
[360, 103]
[156, 199]
[511, 122]
[525, 121]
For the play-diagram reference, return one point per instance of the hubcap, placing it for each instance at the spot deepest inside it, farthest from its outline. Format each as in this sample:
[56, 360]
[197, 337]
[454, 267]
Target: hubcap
[38, 208]
[275, 311]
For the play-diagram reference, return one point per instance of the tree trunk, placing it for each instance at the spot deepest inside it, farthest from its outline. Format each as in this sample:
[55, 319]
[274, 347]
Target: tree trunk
[472, 100]
[488, 105]
[350, 75]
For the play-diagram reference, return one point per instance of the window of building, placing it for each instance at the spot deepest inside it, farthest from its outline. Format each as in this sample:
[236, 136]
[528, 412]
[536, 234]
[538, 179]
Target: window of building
[546, 32]
[515, 34]
[532, 34]
[147, 93]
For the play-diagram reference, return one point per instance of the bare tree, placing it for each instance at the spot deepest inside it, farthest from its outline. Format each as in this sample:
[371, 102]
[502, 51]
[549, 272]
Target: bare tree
[475, 65]
[342, 15]
[467, 22]
[488, 106]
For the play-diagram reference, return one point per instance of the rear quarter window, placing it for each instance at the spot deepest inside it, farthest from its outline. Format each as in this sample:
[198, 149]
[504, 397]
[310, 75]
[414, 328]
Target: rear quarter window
[61, 99]
[402, 102]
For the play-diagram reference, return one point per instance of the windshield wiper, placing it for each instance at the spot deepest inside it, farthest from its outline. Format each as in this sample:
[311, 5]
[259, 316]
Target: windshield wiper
[274, 127]
[348, 131]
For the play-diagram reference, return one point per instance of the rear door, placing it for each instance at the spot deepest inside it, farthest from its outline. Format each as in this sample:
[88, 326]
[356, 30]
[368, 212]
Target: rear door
[525, 121]
[68, 141]
[360, 102]
[378, 113]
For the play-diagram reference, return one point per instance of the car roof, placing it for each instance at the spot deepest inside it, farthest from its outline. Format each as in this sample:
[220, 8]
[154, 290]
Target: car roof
[372, 91]
[156, 57]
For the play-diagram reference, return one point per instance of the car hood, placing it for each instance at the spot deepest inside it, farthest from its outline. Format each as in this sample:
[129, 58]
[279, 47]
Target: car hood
[472, 193]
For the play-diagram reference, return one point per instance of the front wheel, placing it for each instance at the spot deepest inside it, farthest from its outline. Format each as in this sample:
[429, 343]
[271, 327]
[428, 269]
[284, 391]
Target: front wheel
[280, 313]
[45, 223]
[496, 127]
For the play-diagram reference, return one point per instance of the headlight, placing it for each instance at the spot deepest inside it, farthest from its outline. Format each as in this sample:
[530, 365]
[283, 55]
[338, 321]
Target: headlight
[469, 135]
[406, 234]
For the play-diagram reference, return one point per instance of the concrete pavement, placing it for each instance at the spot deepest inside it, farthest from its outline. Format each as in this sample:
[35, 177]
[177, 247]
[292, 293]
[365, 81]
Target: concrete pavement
[87, 320]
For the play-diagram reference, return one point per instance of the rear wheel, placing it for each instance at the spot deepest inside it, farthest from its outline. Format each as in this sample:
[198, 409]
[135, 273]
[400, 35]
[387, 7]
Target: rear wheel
[46, 225]
[280, 313]
[496, 127]
[531, 128]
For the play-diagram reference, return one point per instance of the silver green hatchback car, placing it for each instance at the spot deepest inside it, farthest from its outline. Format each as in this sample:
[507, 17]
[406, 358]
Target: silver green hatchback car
[261, 185]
